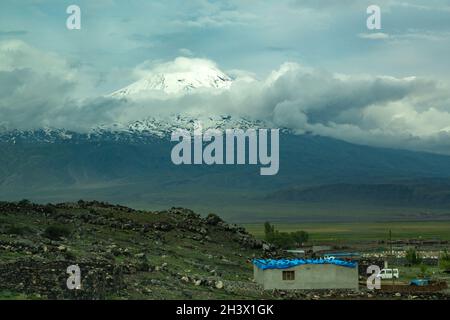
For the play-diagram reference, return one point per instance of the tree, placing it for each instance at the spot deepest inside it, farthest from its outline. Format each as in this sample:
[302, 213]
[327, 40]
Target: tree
[269, 231]
[444, 261]
[423, 271]
[413, 257]
[300, 236]
[284, 239]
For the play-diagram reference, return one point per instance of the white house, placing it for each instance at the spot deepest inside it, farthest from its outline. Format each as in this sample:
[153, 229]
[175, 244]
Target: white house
[306, 274]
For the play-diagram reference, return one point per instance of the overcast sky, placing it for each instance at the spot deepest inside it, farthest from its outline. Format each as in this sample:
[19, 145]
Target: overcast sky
[387, 87]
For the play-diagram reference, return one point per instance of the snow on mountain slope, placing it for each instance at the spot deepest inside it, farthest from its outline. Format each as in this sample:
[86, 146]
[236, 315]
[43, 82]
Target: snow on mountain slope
[183, 76]
[136, 131]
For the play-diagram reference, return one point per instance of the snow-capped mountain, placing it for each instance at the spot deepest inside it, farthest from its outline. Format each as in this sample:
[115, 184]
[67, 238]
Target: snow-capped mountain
[189, 76]
[183, 77]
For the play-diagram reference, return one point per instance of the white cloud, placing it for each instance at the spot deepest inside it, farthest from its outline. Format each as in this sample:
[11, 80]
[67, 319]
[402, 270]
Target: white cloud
[186, 52]
[374, 36]
[16, 54]
[40, 89]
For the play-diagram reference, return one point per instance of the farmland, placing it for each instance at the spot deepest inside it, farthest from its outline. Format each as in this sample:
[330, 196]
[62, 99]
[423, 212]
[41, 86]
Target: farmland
[362, 231]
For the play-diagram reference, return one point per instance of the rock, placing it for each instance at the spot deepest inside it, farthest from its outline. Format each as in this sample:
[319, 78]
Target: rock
[398, 294]
[219, 284]
[197, 282]
[185, 279]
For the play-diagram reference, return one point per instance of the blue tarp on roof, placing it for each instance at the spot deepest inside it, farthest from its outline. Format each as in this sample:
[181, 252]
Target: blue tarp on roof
[264, 264]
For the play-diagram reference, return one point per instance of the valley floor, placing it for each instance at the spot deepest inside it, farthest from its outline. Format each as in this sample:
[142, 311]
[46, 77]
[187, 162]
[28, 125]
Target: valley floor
[343, 232]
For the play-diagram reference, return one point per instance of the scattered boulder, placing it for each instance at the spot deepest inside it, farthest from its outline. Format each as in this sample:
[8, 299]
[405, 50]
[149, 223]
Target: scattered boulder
[219, 285]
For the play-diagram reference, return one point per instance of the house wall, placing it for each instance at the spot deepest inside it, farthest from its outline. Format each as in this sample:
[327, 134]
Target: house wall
[258, 275]
[313, 276]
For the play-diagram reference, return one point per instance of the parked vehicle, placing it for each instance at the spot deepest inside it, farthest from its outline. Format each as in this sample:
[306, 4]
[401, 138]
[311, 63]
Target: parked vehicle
[388, 274]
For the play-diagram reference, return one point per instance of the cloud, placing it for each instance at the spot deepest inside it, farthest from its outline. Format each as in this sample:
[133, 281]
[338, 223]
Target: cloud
[218, 19]
[39, 89]
[13, 33]
[410, 35]
[406, 112]
[254, 35]
[439, 5]
[186, 52]
[374, 36]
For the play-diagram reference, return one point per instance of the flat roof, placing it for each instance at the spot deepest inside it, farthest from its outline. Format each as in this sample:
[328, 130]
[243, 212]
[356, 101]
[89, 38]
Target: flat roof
[264, 264]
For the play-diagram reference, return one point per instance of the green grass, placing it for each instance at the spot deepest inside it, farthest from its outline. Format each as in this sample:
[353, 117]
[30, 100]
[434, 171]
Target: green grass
[12, 295]
[361, 231]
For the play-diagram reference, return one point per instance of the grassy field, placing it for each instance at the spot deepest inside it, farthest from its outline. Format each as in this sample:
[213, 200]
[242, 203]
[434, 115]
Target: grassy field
[362, 231]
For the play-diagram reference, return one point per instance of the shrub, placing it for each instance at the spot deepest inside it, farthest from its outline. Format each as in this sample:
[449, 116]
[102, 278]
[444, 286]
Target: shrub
[25, 202]
[70, 255]
[56, 232]
[49, 208]
[213, 219]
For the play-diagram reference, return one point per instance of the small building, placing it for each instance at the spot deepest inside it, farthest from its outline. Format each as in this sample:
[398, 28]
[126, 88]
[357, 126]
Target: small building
[297, 253]
[355, 256]
[321, 248]
[306, 274]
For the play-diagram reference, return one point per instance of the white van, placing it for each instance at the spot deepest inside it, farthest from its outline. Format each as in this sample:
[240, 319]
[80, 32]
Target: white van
[388, 274]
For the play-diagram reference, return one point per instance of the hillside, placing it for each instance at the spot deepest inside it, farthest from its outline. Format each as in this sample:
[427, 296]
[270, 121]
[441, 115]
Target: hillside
[122, 253]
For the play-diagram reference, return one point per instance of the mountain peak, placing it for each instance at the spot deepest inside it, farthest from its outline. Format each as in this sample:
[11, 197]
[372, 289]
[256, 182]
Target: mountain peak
[183, 75]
